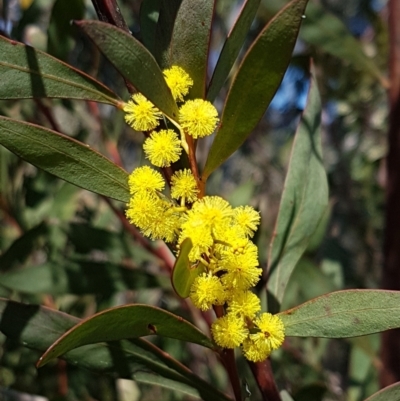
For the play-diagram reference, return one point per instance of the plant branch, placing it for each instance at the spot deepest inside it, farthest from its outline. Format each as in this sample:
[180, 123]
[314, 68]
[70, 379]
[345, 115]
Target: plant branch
[265, 380]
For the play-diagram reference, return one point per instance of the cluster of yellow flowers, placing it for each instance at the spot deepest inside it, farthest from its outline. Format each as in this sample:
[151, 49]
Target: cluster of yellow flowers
[220, 235]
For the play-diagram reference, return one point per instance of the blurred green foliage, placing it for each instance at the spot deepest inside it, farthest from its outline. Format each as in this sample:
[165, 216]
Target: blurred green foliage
[64, 247]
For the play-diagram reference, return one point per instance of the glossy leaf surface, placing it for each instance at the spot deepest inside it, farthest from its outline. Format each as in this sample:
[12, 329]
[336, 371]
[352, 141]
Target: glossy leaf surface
[64, 157]
[343, 314]
[125, 322]
[134, 62]
[190, 42]
[255, 83]
[304, 199]
[184, 273]
[232, 46]
[29, 73]
[38, 327]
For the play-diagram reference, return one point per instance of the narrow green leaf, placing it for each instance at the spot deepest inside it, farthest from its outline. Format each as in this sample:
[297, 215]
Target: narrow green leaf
[38, 327]
[389, 393]
[64, 157]
[190, 42]
[124, 322]
[304, 199]
[134, 62]
[29, 73]
[149, 14]
[232, 46]
[343, 314]
[80, 277]
[165, 27]
[184, 273]
[60, 31]
[255, 83]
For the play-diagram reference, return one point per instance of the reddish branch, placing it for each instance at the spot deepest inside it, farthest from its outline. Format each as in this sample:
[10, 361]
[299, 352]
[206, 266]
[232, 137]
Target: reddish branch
[265, 380]
[390, 351]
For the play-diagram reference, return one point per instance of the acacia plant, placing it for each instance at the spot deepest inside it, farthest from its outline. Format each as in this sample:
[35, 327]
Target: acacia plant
[208, 252]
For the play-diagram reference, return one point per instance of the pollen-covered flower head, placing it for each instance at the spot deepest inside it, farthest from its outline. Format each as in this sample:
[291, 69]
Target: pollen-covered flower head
[247, 218]
[163, 148]
[141, 114]
[153, 216]
[244, 303]
[179, 81]
[145, 179]
[240, 267]
[206, 291]
[208, 215]
[198, 118]
[273, 329]
[183, 185]
[269, 336]
[229, 331]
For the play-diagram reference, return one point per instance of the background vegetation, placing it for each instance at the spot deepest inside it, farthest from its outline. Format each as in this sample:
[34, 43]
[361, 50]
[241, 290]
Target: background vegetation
[68, 249]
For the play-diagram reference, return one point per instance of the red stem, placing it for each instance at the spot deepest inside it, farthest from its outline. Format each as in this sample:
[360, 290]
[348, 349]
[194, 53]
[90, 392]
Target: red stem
[265, 380]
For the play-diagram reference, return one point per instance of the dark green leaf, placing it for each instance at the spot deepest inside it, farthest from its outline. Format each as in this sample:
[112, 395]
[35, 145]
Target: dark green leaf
[124, 322]
[22, 247]
[389, 393]
[60, 31]
[149, 13]
[255, 83]
[304, 199]
[29, 73]
[134, 62]
[38, 327]
[342, 314]
[64, 157]
[165, 27]
[190, 42]
[184, 273]
[232, 46]
[80, 277]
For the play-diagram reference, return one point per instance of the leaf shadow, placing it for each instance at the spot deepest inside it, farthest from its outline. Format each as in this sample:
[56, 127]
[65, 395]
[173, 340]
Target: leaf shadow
[37, 85]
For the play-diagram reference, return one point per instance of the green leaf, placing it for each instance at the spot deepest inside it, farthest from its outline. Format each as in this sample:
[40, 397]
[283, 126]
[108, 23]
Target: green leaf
[255, 83]
[60, 31]
[343, 314]
[134, 62]
[232, 46]
[38, 327]
[304, 199]
[149, 14]
[79, 277]
[124, 322]
[164, 29]
[29, 73]
[190, 42]
[184, 274]
[389, 393]
[64, 157]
